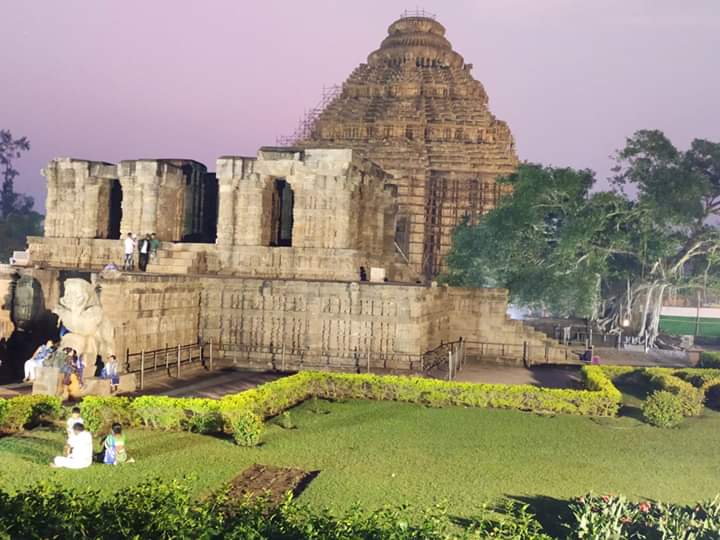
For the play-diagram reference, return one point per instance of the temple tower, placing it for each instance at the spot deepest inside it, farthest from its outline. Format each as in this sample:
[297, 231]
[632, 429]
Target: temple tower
[415, 109]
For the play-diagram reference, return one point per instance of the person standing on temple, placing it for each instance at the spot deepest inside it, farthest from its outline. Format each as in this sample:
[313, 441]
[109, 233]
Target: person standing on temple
[129, 251]
[144, 248]
[154, 246]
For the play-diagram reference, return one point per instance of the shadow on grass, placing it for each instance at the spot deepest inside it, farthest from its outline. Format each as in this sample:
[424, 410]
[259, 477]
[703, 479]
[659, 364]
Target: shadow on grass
[32, 448]
[635, 389]
[552, 514]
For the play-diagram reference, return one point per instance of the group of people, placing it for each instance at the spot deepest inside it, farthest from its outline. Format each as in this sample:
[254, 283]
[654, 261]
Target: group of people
[52, 355]
[147, 248]
[70, 364]
[78, 453]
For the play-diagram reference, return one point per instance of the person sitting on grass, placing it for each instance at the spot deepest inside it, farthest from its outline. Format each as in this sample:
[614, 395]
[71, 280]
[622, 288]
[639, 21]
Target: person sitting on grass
[80, 450]
[115, 452]
[73, 419]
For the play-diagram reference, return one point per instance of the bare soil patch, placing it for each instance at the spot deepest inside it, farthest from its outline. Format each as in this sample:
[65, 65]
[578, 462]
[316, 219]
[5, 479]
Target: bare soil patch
[270, 482]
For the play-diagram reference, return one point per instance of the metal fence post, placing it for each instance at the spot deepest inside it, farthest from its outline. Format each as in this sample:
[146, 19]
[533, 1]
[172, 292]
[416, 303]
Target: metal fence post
[178, 361]
[154, 360]
[167, 359]
[450, 365]
[211, 354]
[142, 369]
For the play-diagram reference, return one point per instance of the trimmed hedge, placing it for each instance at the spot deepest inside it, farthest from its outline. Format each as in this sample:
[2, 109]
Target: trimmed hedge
[27, 411]
[692, 398]
[242, 415]
[710, 359]
[601, 398]
[663, 409]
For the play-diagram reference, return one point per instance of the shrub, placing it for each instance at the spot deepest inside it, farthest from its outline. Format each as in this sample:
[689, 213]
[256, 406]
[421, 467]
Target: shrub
[246, 426]
[698, 377]
[26, 411]
[712, 395]
[203, 415]
[604, 401]
[159, 412]
[690, 397]
[4, 405]
[611, 517]
[663, 409]
[99, 413]
[710, 359]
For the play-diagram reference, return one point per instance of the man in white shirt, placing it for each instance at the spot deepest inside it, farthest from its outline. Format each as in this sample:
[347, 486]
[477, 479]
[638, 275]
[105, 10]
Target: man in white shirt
[129, 251]
[81, 450]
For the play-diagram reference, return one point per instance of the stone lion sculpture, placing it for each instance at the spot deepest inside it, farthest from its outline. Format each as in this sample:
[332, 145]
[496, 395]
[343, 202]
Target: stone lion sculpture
[90, 333]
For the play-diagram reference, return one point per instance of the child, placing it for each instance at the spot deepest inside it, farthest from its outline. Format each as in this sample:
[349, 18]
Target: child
[115, 452]
[73, 419]
[110, 371]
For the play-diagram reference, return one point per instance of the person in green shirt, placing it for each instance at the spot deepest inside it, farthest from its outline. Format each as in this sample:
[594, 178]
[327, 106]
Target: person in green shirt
[154, 246]
[115, 451]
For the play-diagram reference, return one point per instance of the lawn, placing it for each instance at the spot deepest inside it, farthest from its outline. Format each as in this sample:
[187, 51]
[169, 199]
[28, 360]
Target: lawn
[375, 453]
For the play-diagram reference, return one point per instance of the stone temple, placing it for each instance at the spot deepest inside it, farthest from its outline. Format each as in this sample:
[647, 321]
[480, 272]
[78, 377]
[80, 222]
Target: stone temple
[416, 111]
[263, 256]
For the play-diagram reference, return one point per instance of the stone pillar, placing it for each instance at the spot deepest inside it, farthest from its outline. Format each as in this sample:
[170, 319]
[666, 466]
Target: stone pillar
[78, 197]
[229, 171]
[154, 196]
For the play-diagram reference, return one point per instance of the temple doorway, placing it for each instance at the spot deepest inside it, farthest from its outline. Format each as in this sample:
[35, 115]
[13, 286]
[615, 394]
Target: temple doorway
[282, 214]
[115, 211]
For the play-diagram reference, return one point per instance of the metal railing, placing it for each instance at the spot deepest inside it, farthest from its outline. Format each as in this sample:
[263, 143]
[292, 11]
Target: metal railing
[547, 353]
[417, 13]
[448, 357]
[281, 357]
[168, 359]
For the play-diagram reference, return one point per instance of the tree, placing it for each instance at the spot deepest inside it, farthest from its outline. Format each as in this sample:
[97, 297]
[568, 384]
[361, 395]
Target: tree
[10, 201]
[602, 255]
[17, 218]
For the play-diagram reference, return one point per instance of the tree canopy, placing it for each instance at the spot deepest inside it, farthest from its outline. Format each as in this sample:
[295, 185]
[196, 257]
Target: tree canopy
[17, 218]
[605, 255]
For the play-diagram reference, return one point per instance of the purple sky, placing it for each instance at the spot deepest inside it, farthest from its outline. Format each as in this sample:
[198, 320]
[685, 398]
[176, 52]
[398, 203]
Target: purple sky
[106, 80]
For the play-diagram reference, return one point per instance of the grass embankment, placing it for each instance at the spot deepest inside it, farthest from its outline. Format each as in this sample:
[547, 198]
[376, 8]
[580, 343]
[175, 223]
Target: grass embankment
[377, 453]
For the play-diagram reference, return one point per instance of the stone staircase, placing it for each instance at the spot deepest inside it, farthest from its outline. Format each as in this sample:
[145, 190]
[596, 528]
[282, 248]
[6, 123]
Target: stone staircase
[180, 259]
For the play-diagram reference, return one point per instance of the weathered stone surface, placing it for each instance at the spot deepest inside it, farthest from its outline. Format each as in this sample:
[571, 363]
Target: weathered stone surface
[48, 382]
[263, 257]
[415, 109]
[90, 332]
[79, 198]
[7, 279]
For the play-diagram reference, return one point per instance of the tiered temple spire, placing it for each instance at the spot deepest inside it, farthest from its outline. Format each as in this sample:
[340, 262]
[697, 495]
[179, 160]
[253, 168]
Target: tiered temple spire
[415, 109]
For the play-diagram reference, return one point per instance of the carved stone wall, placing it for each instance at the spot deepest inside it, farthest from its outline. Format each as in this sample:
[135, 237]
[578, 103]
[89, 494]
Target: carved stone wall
[80, 198]
[303, 324]
[150, 312]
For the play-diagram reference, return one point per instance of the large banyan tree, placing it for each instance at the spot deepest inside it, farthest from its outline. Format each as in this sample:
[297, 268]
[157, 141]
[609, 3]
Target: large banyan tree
[610, 256]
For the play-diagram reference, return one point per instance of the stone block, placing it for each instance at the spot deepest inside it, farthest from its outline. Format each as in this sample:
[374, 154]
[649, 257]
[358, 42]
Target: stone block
[48, 382]
[377, 275]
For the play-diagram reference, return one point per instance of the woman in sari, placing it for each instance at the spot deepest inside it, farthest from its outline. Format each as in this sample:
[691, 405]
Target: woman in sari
[115, 452]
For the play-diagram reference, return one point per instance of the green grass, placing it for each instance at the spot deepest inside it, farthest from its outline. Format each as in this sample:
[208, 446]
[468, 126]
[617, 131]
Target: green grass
[678, 326]
[376, 453]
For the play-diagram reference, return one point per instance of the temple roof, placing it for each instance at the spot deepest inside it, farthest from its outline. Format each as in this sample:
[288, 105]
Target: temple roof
[411, 38]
